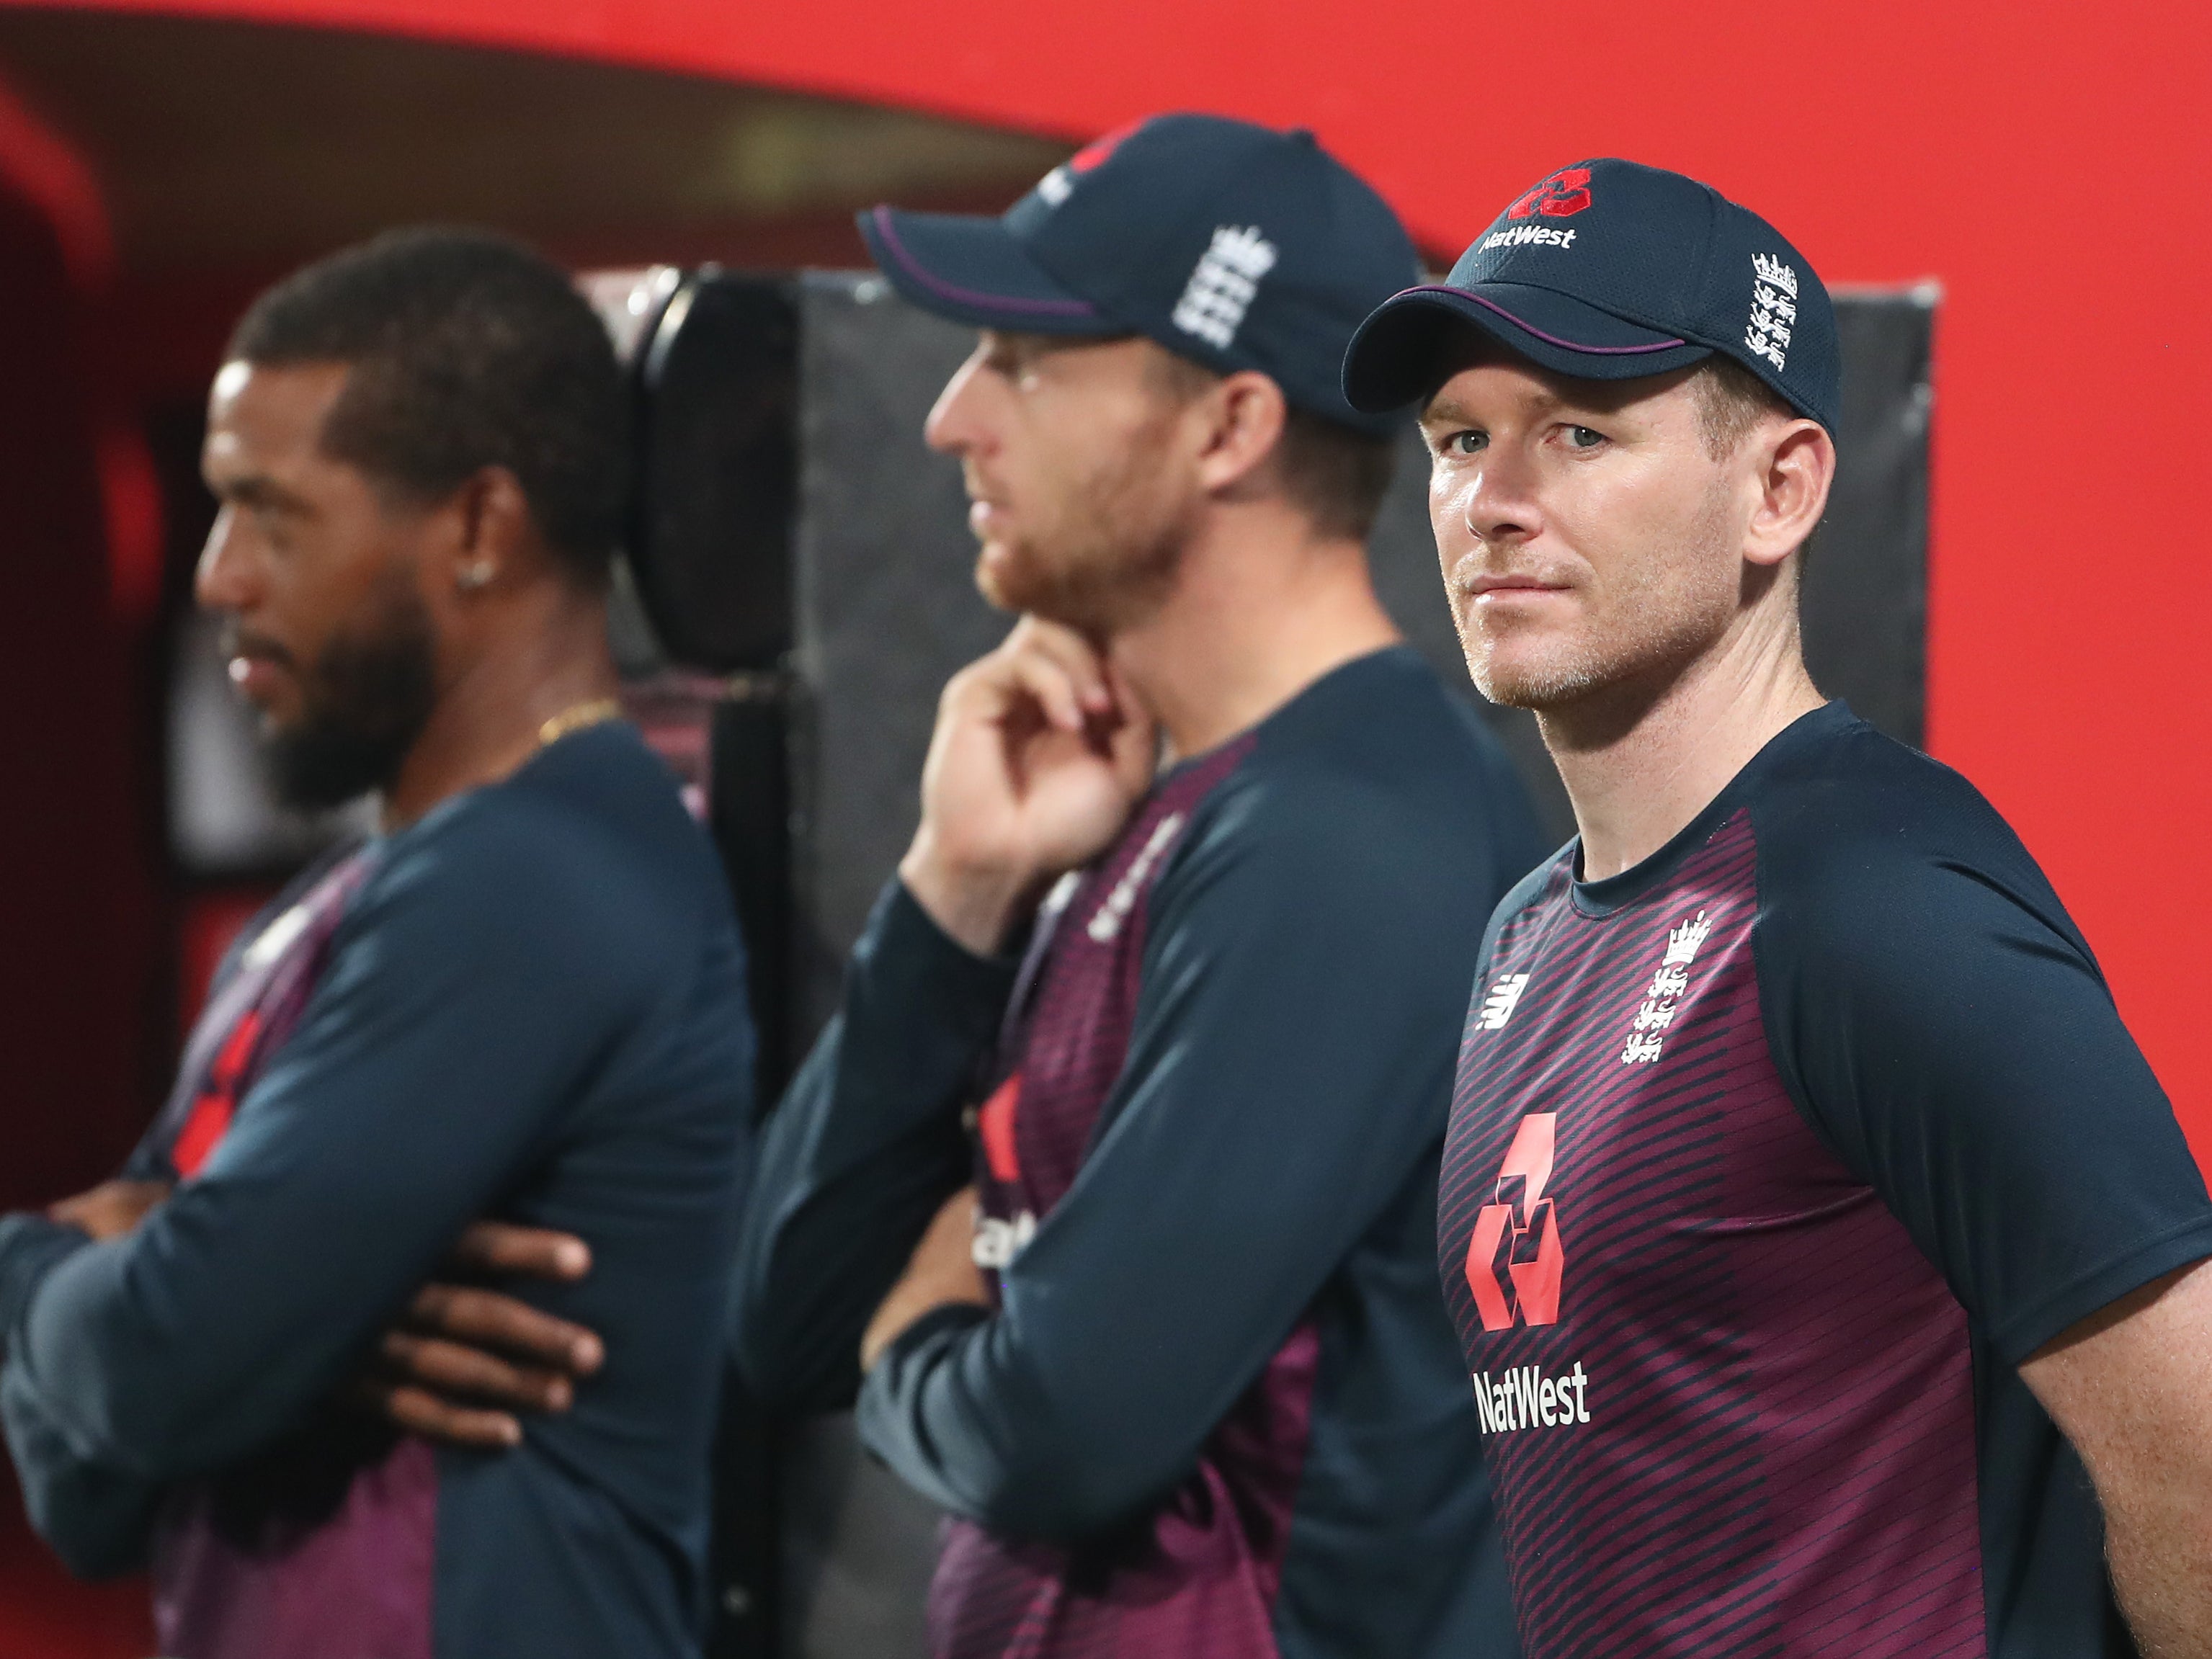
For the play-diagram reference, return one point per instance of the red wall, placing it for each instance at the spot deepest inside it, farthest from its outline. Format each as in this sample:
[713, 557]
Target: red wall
[77, 853]
[77, 967]
[2047, 163]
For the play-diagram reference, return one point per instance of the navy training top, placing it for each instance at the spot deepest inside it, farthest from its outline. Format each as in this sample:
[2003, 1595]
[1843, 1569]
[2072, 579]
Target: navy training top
[532, 1007]
[1217, 1409]
[1772, 1159]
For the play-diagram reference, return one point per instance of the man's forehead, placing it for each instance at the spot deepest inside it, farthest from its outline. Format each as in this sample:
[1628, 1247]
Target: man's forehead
[269, 411]
[1021, 344]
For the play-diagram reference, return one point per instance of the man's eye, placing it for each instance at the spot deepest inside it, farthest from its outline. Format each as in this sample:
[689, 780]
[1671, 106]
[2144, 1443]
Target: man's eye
[1583, 437]
[1466, 443]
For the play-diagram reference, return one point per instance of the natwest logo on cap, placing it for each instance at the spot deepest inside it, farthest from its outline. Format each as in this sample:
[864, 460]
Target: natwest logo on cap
[1055, 186]
[1564, 193]
[1099, 148]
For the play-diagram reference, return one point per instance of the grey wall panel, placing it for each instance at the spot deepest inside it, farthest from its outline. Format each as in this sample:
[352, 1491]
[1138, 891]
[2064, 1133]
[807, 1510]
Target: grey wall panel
[1866, 582]
[885, 612]
[858, 1547]
[887, 608]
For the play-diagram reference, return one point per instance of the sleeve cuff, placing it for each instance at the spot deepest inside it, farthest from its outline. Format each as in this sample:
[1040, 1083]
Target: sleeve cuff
[2026, 1335]
[30, 1247]
[922, 1333]
[888, 1413]
[925, 970]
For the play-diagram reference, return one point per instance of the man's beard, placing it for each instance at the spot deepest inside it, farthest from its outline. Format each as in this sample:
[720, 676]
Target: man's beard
[1110, 560]
[1668, 626]
[364, 702]
[1544, 687]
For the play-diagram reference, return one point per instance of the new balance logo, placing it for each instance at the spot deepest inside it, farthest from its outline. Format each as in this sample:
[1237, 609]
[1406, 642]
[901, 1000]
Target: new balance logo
[1225, 284]
[1524, 1398]
[1515, 1259]
[1497, 1007]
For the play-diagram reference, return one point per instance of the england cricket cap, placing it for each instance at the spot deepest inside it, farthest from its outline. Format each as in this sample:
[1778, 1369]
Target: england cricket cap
[1609, 270]
[1232, 245]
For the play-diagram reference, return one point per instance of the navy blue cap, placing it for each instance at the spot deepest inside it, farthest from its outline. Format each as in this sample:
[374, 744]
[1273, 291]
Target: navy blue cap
[1232, 245]
[1609, 270]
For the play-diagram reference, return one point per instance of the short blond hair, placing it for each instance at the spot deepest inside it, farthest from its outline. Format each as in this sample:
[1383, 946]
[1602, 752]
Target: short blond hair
[1731, 400]
[1337, 477]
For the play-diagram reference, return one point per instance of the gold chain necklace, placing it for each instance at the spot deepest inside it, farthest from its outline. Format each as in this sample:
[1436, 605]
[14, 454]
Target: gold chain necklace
[576, 717]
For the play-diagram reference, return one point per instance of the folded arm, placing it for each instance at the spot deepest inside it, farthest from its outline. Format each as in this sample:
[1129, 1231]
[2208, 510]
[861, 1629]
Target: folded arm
[1284, 1090]
[865, 1146]
[457, 1009]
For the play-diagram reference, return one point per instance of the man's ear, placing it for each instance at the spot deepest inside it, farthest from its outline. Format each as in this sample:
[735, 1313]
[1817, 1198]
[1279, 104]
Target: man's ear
[494, 528]
[1797, 466]
[1245, 413]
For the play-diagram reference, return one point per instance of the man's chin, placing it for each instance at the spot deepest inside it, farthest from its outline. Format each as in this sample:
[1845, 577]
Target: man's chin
[998, 577]
[1099, 596]
[318, 769]
[1515, 680]
[1012, 583]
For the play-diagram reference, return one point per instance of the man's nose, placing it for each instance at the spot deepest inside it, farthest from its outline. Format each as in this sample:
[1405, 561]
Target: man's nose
[1498, 500]
[227, 577]
[953, 427]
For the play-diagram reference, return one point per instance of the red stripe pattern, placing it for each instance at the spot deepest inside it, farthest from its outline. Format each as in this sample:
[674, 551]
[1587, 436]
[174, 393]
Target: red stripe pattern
[1742, 1423]
[1200, 1578]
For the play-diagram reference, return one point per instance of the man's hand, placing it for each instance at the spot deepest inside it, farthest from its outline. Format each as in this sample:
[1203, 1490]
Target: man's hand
[941, 1273]
[463, 1362]
[111, 1209]
[1040, 750]
[2128, 1387]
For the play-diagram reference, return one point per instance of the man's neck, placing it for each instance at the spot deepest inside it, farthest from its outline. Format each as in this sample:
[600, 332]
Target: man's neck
[1639, 764]
[549, 657]
[1261, 610]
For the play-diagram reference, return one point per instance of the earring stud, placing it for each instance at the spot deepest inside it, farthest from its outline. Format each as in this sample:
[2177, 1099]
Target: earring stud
[471, 577]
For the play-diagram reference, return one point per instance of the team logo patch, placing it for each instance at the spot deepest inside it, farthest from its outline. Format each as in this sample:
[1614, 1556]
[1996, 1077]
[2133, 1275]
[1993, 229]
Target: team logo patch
[1565, 192]
[1515, 1259]
[1225, 284]
[1662, 998]
[1773, 309]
